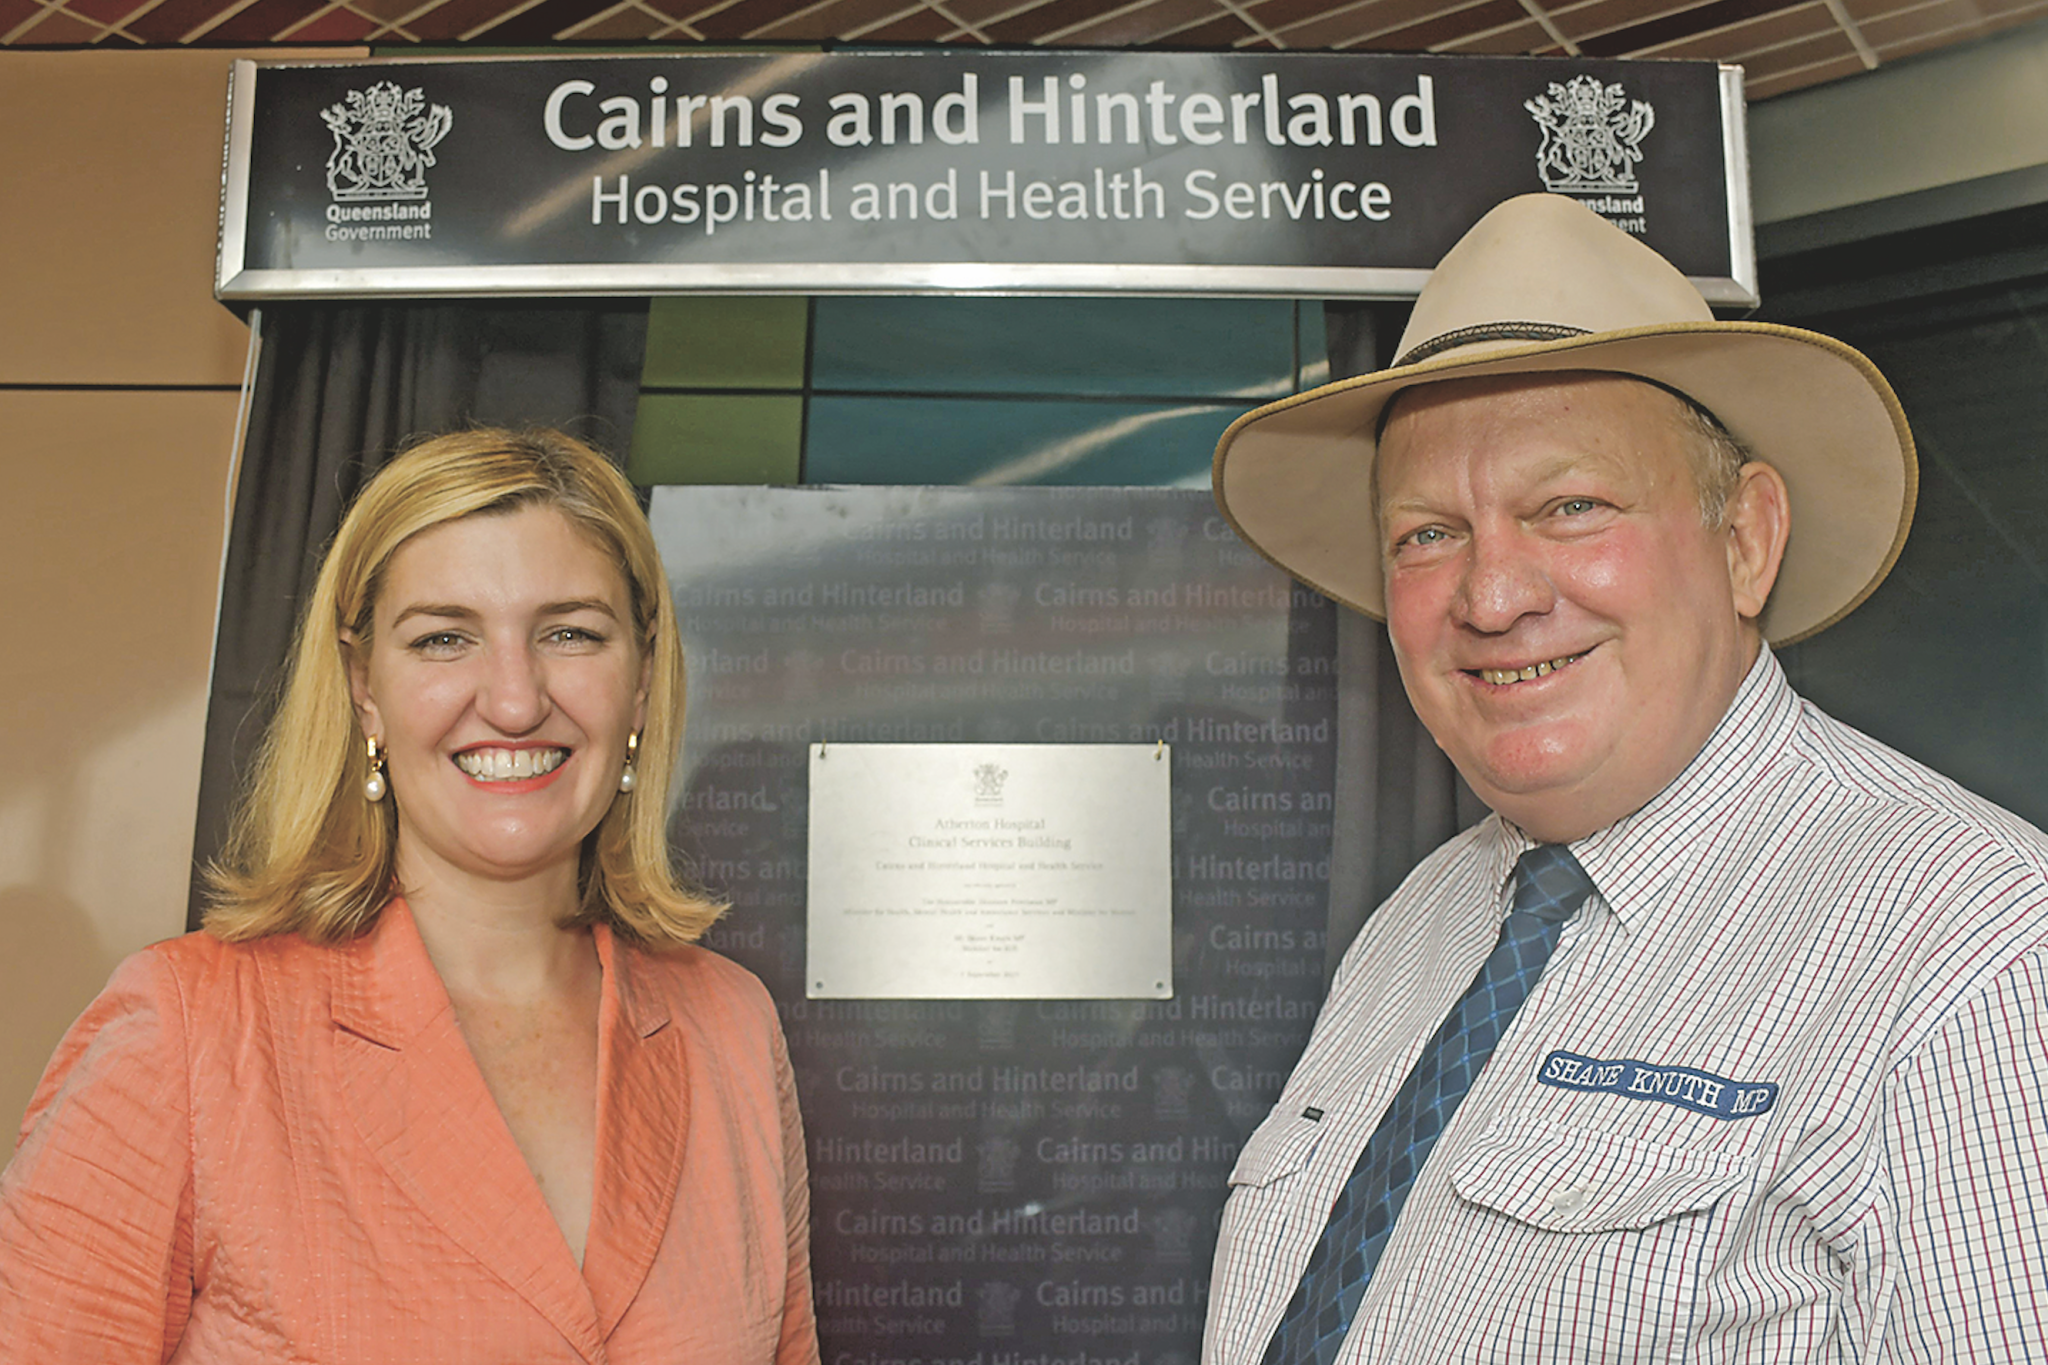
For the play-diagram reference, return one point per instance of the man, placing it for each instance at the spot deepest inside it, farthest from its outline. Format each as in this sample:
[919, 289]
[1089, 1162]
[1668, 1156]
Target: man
[1724, 1038]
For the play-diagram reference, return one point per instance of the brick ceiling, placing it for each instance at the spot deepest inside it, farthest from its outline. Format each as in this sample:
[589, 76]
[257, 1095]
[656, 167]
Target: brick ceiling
[1782, 44]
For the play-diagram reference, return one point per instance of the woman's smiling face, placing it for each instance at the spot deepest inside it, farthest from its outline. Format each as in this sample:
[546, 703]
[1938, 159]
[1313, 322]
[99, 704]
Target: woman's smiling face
[503, 678]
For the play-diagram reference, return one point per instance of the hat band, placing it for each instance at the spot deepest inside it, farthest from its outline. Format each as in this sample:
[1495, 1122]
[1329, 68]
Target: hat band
[1488, 331]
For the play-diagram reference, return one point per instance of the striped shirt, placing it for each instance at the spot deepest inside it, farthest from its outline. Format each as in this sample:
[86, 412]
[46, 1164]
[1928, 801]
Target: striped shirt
[1781, 1094]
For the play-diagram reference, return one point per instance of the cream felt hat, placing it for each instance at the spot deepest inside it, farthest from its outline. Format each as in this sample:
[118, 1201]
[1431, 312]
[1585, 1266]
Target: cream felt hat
[1542, 283]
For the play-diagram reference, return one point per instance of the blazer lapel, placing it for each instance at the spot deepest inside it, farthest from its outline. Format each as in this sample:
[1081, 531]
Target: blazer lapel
[421, 1106]
[643, 1122]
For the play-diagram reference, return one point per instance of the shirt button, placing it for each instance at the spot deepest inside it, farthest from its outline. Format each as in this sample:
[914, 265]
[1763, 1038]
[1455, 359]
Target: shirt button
[1572, 1198]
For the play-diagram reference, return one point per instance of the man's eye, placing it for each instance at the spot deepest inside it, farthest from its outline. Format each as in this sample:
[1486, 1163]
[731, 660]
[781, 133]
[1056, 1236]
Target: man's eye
[1576, 507]
[1427, 535]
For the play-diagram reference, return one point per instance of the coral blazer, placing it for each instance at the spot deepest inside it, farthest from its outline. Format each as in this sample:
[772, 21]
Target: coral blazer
[275, 1152]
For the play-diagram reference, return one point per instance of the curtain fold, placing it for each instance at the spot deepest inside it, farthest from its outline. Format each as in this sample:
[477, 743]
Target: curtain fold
[1396, 795]
[340, 388]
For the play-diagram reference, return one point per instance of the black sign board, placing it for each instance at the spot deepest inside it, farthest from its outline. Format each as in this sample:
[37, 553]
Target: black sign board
[1315, 175]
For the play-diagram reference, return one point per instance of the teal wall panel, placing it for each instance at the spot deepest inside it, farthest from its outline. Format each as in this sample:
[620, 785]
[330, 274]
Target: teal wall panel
[998, 441]
[1156, 348]
[935, 390]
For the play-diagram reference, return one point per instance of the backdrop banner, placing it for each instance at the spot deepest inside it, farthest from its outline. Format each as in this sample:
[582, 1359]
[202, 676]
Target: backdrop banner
[1015, 1180]
[1308, 174]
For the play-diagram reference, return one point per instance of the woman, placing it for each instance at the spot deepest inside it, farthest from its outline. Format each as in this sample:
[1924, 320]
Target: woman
[442, 1080]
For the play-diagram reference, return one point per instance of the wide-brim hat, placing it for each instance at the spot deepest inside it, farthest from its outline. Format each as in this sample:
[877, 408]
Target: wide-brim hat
[1542, 283]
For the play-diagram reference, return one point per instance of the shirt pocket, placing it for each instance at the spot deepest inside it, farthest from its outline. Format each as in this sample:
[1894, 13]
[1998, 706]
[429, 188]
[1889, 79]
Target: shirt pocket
[1575, 1181]
[1549, 1220]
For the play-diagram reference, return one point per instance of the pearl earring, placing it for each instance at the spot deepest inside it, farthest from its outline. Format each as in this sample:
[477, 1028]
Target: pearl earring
[627, 779]
[374, 785]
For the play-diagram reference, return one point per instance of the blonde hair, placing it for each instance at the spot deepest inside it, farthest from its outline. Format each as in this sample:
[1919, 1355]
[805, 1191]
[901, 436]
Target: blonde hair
[306, 852]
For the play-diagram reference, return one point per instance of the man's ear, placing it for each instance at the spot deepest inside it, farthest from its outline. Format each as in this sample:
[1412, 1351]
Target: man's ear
[355, 661]
[1759, 519]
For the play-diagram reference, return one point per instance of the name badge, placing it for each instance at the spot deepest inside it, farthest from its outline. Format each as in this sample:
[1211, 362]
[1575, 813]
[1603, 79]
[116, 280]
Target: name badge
[1702, 1092]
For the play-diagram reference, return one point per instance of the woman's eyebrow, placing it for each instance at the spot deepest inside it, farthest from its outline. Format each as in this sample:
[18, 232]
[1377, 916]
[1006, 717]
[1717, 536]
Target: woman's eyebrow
[442, 609]
[576, 604]
[450, 611]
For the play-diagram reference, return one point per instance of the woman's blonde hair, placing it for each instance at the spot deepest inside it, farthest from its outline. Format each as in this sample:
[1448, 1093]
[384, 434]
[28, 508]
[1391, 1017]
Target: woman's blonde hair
[306, 852]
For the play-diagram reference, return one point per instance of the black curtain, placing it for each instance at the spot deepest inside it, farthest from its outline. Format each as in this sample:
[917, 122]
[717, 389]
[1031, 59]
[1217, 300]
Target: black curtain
[1397, 796]
[340, 388]
[1945, 660]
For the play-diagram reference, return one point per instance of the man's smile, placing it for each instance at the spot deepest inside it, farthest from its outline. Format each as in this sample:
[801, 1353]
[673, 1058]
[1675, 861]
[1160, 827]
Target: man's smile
[1505, 677]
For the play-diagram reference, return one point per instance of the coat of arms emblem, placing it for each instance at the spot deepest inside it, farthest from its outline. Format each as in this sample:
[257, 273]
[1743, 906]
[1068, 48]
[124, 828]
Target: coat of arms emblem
[384, 140]
[998, 1173]
[1173, 1234]
[995, 1308]
[1592, 136]
[1171, 1086]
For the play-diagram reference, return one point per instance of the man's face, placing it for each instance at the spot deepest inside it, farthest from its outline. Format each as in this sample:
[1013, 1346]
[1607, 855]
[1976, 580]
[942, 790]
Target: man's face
[1567, 627]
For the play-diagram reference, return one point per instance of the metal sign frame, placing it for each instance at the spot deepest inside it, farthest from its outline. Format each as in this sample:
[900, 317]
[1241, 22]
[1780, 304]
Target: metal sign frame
[242, 274]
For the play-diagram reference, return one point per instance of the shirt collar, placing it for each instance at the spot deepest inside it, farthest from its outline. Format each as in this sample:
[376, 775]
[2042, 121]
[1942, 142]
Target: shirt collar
[1501, 843]
[1632, 859]
[388, 991]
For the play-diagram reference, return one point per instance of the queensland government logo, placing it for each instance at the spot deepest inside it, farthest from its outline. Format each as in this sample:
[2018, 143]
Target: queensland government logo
[1592, 140]
[995, 1308]
[997, 1173]
[384, 140]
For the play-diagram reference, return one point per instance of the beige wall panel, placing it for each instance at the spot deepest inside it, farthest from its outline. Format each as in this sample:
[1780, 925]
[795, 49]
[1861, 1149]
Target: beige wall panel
[112, 164]
[112, 562]
[1975, 110]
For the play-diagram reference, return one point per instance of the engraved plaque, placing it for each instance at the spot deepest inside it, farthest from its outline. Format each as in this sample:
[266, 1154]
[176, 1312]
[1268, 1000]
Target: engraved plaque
[990, 872]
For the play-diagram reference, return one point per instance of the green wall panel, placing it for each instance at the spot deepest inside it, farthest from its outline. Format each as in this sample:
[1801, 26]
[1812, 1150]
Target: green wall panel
[717, 438]
[725, 342]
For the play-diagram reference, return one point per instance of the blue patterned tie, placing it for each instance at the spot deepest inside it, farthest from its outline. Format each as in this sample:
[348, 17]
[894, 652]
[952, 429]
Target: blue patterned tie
[1549, 886]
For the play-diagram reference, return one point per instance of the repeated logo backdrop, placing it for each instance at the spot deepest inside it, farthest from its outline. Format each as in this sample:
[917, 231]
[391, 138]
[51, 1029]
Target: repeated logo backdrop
[1015, 1182]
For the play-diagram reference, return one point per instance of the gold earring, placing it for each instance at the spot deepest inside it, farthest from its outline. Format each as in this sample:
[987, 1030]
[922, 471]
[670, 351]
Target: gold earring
[374, 785]
[627, 779]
